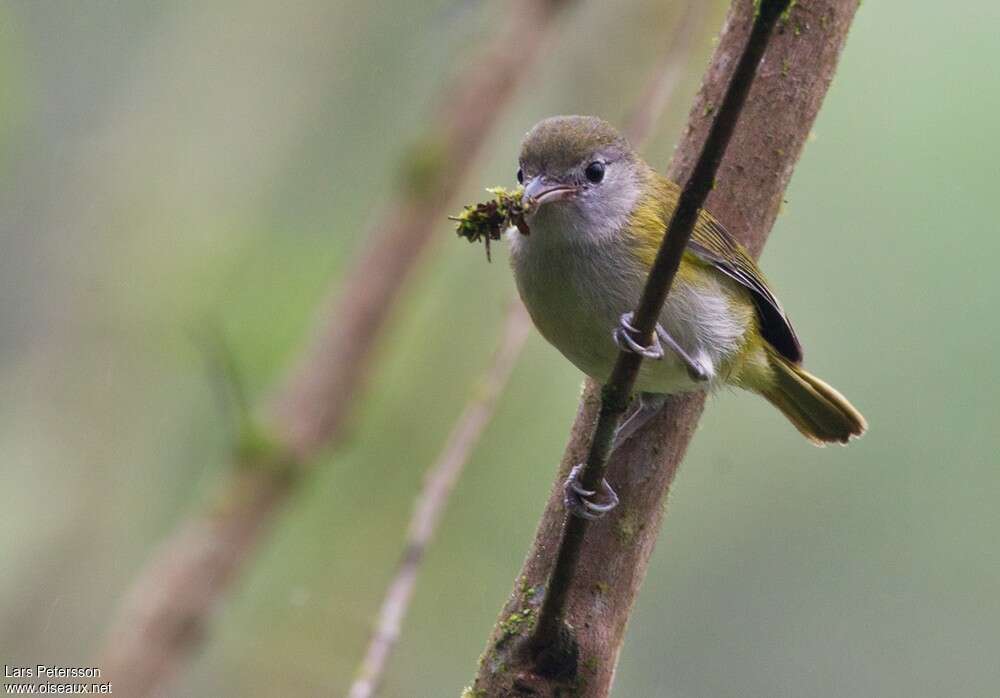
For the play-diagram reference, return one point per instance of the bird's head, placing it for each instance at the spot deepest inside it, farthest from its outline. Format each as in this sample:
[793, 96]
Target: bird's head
[580, 176]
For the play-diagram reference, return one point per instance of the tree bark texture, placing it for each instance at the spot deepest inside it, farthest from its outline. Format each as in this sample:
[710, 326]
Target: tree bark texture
[777, 118]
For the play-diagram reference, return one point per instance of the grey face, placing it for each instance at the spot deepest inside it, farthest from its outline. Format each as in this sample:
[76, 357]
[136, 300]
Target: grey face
[580, 174]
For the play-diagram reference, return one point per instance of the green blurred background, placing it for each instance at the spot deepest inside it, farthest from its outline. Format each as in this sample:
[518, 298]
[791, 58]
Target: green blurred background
[171, 166]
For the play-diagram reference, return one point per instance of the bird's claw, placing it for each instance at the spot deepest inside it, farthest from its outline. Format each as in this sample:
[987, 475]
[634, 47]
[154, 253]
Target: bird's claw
[577, 498]
[625, 337]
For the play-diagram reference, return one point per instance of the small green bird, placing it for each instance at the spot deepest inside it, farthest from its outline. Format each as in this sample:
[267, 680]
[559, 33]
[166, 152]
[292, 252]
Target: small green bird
[597, 214]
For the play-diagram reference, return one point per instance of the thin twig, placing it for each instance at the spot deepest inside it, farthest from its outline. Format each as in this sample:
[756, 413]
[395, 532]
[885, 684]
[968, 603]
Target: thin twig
[441, 478]
[224, 372]
[777, 117]
[433, 497]
[616, 393]
[163, 617]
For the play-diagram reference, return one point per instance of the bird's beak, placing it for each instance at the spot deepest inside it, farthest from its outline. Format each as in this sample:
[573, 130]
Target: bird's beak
[540, 190]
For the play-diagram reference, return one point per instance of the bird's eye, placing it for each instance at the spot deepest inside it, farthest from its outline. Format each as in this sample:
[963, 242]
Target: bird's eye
[520, 176]
[594, 172]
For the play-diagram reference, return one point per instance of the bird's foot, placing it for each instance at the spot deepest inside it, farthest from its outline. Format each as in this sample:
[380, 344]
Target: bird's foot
[625, 338]
[577, 498]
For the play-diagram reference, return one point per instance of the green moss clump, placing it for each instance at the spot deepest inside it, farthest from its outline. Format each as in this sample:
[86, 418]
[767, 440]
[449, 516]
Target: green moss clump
[486, 221]
[516, 623]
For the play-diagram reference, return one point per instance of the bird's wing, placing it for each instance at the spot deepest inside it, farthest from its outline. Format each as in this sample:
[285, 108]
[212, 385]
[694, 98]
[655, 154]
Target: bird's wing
[713, 244]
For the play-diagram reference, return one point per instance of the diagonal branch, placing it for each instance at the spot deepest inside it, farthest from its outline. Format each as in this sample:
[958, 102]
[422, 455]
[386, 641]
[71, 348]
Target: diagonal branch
[164, 615]
[793, 78]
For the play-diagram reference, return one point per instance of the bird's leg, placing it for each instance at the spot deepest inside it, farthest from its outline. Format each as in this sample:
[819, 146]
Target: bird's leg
[648, 405]
[575, 496]
[695, 369]
[625, 337]
[577, 499]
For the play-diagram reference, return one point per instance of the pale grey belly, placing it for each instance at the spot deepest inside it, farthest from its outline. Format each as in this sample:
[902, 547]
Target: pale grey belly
[585, 338]
[576, 304]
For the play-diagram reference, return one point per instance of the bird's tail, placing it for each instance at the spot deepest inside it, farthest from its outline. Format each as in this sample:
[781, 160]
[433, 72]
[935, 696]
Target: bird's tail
[817, 410]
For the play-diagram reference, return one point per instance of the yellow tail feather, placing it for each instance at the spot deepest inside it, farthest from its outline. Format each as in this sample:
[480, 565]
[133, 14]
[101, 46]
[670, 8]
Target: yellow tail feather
[816, 409]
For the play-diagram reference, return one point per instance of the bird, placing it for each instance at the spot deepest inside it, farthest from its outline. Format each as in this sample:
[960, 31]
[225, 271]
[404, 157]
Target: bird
[597, 214]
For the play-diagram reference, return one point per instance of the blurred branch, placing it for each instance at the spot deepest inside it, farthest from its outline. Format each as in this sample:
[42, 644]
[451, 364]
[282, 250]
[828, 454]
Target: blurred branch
[438, 485]
[310, 410]
[164, 615]
[224, 372]
[441, 478]
[792, 80]
[666, 75]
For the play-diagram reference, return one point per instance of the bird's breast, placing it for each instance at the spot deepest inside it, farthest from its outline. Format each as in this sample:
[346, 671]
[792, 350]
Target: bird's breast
[572, 291]
[577, 289]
